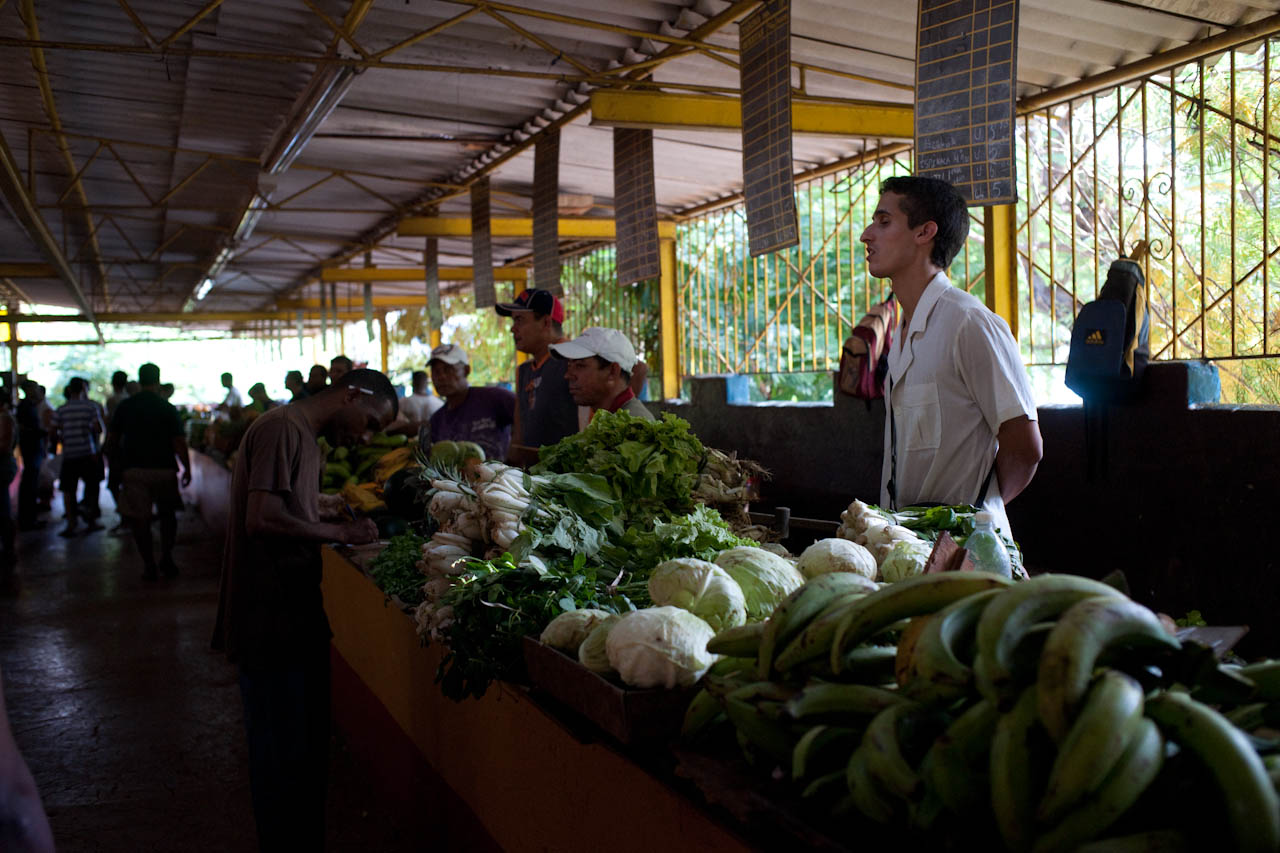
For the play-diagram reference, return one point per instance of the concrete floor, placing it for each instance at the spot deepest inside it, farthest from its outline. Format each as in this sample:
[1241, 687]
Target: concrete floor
[132, 727]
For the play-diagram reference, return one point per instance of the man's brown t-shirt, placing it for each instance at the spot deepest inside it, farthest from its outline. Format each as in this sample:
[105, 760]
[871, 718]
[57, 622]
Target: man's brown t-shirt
[270, 610]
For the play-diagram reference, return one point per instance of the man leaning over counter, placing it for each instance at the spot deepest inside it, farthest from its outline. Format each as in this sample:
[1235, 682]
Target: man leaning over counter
[961, 424]
[598, 365]
[545, 411]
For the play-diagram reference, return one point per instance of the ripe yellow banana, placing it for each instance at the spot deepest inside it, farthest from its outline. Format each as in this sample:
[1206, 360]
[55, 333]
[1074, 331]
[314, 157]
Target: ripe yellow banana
[1253, 807]
[1018, 769]
[1008, 619]
[1135, 770]
[1072, 650]
[910, 597]
[1109, 719]
[940, 674]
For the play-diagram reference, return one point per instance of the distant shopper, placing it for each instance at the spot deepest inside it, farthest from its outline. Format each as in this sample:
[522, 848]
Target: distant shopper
[482, 415]
[598, 367]
[295, 385]
[78, 426]
[339, 367]
[545, 412]
[148, 435]
[119, 391]
[234, 401]
[260, 403]
[418, 407]
[24, 826]
[33, 436]
[317, 379]
[271, 620]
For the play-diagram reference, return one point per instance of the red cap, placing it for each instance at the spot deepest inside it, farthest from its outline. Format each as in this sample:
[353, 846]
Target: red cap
[538, 301]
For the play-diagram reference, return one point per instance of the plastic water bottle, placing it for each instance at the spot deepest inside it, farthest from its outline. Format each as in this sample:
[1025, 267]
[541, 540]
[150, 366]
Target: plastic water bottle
[986, 549]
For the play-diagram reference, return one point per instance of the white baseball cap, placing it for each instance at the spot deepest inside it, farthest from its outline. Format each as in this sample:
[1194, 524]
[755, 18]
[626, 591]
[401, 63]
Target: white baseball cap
[449, 354]
[609, 344]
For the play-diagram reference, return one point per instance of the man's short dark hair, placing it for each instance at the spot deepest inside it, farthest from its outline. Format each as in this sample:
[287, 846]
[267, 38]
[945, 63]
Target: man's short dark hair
[419, 376]
[119, 379]
[604, 365]
[343, 360]
[226, 376]
[149, 374]
[371, 380]
[291, 374]
[75, 386]
[933, 200]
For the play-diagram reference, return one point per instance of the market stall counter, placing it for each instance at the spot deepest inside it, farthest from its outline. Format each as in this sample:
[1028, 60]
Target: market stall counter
[529, 781]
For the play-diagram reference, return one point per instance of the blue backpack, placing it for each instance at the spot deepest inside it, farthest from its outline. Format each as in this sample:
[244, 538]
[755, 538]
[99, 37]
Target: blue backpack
[1110, 339]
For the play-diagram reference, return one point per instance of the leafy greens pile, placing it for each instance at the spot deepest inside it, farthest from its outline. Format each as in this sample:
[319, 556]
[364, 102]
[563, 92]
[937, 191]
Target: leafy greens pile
[956, 521]
[395, 569]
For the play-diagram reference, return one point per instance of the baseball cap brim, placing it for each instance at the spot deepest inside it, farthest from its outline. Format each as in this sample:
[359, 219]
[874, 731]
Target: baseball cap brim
[571, 350]
[506, 309]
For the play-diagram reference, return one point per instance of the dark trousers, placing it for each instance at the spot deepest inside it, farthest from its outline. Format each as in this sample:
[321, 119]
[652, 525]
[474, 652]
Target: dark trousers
[27, 488]
[8, 470]
[74, 470]
[286, 712]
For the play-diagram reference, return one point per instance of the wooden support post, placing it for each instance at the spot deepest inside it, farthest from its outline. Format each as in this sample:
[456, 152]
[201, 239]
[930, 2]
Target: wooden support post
[668, 319]
[1000, 225]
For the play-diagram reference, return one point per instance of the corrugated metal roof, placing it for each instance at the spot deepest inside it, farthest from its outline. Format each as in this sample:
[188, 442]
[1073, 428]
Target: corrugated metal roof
[185, 126]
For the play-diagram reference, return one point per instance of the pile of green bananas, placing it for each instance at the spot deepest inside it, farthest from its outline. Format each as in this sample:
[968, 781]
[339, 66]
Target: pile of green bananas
[1029, 716]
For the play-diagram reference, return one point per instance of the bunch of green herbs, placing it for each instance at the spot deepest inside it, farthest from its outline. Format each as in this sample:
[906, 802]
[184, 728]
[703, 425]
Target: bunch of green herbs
[497, 602]
[395, 569]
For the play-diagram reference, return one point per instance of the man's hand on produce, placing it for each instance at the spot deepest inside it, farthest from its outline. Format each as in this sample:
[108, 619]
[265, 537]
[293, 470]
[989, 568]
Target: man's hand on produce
[359, 532]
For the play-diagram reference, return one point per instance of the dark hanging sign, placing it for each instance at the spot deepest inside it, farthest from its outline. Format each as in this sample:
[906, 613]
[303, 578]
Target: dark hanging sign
[481, 245]
[431, 266]
[765, 77]
[966, 69]
[546, 212]
[635, 205]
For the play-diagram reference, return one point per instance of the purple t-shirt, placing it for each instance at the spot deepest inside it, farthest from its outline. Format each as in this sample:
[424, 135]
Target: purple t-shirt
[484, 417]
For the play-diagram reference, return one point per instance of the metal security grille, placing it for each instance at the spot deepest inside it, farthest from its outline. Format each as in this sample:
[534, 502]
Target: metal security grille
[592, 297]
[1185, 159]
[790, 311]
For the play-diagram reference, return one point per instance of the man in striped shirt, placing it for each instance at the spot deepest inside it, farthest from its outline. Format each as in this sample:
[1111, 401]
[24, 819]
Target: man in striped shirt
[78, 425]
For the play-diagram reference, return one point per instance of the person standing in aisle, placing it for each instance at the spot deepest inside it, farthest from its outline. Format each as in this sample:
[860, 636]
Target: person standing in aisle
[482, 415]
[271, 620]
[317, 379]
[33, 433]
[599, 365]
[545, 411]
[296, 387]
[146, 436]
[119, 393]
[961, 425]
[77, 424]
[234, 401]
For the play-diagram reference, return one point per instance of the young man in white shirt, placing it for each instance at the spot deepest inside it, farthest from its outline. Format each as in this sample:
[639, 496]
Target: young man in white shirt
[961, 420]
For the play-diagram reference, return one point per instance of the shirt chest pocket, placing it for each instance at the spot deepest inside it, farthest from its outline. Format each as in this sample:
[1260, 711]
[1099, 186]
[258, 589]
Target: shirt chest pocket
[919, 417]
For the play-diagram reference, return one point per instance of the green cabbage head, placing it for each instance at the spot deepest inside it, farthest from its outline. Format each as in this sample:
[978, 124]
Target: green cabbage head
[702, 588]
[765, 578]
[906, 559]
[660, 647]
[567, 631]
[591, 653]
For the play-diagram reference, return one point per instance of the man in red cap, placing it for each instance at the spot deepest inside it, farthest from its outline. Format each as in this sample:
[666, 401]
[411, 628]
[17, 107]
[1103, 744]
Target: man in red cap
[545, 411]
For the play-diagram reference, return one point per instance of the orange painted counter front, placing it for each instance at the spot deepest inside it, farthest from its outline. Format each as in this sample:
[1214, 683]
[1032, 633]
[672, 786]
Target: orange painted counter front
[531, 784]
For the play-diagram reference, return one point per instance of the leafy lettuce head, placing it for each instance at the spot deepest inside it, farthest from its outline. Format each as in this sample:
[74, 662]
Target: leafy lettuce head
[591, 653]
[905, 559]
[702, 588]
[765, 578]
[660, 647]
[567, 631]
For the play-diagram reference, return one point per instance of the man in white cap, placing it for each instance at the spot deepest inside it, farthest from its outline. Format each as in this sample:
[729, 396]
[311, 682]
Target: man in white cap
[482, 415]
[599, 364]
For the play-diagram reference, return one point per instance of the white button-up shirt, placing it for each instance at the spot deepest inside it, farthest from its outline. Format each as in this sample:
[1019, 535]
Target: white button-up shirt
[954, 377]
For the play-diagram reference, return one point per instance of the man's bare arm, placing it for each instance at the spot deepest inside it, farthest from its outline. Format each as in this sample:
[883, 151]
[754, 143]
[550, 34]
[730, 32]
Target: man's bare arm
[1020, 451]
[267, 515]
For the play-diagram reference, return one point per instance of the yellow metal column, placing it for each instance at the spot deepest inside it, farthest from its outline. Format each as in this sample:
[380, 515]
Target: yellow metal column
[668, 319]
[435, 338]
[1000, 225]
[383, 344]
